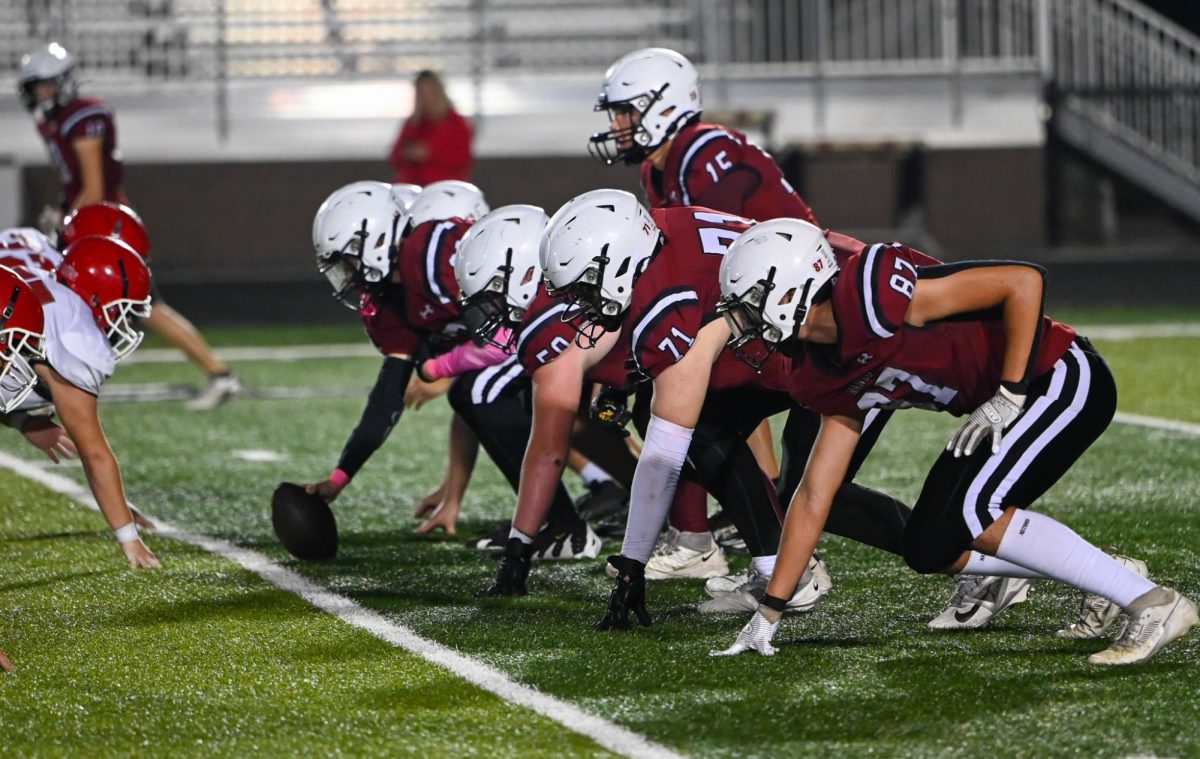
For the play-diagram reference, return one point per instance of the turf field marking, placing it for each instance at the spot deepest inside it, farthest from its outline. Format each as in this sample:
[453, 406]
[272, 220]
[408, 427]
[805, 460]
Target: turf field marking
[611, 736]
[258, 456]
[1158, 423]
[1119, 332]
[150, 392]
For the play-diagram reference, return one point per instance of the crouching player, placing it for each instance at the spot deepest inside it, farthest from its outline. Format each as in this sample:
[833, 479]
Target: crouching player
[884, 330]
[91, 298]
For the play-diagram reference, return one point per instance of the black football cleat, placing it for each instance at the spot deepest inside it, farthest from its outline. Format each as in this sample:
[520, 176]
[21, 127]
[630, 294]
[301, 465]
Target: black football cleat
[602, 499]
[513, 571]
[628, 595]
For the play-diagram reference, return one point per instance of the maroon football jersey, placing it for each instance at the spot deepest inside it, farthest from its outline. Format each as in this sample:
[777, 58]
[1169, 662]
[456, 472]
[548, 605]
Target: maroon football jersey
[703, 155]
[677, 295]
[544, 335]
[382, 313]
[880, 362]
[426, 265]
[83, 117]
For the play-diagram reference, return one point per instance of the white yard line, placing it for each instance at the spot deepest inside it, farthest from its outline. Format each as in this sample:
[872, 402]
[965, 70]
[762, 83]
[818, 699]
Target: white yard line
[1119, 332]
[611, 736]
[1158, 423]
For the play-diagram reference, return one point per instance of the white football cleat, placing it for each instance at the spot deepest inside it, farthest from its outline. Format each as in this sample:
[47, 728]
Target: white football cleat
[220, 388]
[579, 542]
[1097, 613]
[1156, 618]
[675, 560]
[719, 586]
[977, 600]
[745, 597]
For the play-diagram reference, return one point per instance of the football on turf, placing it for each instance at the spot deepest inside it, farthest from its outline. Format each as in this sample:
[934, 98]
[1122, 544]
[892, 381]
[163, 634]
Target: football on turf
[303, 522]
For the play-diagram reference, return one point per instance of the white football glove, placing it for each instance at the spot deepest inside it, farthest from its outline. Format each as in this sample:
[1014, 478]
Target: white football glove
[991, 418]
[756, 634]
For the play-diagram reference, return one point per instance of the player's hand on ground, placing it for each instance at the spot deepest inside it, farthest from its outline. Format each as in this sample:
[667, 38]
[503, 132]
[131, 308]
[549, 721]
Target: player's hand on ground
[444, 517]
[420, 392]
[141, 520]
[628, 595]
[139, 556]
[5, 664]
[756, 636]
[989, 420]
[325, 488]
[429, 503]
[50, 439]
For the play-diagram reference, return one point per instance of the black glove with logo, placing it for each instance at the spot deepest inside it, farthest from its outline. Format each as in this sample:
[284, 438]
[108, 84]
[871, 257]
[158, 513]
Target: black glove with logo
[628, 595]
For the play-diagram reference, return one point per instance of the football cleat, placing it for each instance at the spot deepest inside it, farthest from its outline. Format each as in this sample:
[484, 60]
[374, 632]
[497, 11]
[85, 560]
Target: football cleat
[726, 535]
[746, 596]
[673, 560]
[577, 542]
[220, 388]
[513, 571]
[719, 586]
[628, 595]
[977, 600]
[613, 526]
[1096, 613]
[1156, 618]
[602, 500]
[490, 541]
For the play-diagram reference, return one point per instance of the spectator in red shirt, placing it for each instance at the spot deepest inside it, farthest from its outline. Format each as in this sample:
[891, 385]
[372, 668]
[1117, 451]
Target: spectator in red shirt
[435, 141]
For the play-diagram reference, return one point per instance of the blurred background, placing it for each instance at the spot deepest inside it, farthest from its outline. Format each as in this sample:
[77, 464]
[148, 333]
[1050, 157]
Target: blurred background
[1062, 131]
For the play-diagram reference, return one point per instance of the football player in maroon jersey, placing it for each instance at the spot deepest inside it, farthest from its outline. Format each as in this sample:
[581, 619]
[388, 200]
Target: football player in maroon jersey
[81, 139]
[705, 402]
[888, 329]
[654, 105]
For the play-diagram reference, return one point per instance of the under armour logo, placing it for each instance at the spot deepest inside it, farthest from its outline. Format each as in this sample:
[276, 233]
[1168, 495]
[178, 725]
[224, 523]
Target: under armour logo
[426, 311]
[864, 359]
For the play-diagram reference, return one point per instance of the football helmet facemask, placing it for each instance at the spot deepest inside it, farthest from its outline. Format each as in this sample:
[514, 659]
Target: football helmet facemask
[22, 335]
[658, 91]
[593, 249]
[355, 237]
[770, 277]
[497, 270]
[114, 282]
[49, 63]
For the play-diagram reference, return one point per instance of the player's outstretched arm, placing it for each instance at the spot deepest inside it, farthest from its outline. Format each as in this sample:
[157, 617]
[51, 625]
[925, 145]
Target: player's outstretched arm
[385, 405]
[802, 526]
[80, 416]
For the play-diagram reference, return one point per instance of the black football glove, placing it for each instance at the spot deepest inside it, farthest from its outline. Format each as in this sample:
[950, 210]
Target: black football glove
[513, 571]
[628, 595]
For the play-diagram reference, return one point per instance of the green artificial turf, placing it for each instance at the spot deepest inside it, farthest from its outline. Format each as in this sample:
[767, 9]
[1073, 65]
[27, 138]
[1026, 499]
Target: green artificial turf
[859, 676]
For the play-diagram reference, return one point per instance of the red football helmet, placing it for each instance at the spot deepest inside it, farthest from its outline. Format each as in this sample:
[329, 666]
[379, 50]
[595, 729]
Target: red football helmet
[107, 219]
[115, 282]
[22, 325]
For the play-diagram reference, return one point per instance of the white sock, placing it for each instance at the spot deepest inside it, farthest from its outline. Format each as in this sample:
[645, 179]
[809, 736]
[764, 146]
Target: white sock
[515, 533]
[989, 566]
[1037, 542]
[593, 475]
[764, 564]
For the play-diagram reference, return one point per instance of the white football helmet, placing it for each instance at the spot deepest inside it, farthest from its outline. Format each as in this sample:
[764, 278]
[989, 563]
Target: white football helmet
[404, 193]
[661, 87]
[344, 191]
[497, 269]
[448, 199]
[53, 63]
[770, 277]
[593, 249]
[355, 239]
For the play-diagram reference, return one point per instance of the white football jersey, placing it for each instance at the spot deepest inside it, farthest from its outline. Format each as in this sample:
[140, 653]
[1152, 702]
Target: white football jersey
[27, 248]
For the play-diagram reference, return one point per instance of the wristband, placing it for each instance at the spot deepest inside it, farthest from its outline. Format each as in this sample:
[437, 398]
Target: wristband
[1019, 389]
[126, 534]
[339, 477]
[771, 602]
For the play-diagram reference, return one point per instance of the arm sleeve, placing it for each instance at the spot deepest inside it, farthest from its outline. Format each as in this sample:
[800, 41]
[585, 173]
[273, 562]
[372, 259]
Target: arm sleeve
[466, 357]
[654, 481]
[385, 404]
